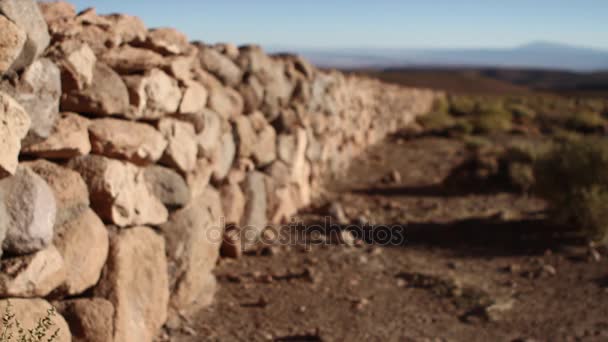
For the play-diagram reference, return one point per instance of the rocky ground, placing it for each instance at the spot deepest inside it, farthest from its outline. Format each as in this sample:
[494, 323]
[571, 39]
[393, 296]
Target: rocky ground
[477, 264]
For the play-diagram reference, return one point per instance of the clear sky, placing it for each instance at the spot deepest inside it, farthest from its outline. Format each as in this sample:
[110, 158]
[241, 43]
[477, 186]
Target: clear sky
[375, 23]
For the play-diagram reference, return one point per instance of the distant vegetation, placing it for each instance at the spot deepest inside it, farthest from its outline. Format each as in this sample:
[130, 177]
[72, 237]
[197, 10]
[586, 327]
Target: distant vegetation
[551, 146]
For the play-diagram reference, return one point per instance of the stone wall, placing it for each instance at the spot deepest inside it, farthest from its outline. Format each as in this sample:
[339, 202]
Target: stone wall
[125, 151]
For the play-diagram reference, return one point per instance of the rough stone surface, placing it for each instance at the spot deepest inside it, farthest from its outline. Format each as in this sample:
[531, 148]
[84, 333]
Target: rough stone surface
[193, 235]
[167, 41]
[77, 63]
[31, 209]
[68, 139]
[182, 148]
[57, 10]
[126, 59]
[90, 319]
[68, 186]
[118, 191]
[129, 28]
[245, 136]
[225, 101]
[38, 90]
[29, 311]
[135, 281]
[83, 242]
[225, 158]
[137, 143]
[208, 128]
[233, 203]
[199, 177]
[167, 185]
[11, 43]
[194, 99]
[32, 275]
[219, 65]
[27, 15]
[264, 151]
[107, 94]
[254, 219]
[14, 124]
[153, 95]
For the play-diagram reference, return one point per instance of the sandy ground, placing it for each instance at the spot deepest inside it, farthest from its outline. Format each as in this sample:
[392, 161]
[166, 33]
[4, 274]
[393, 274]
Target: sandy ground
[473, 264]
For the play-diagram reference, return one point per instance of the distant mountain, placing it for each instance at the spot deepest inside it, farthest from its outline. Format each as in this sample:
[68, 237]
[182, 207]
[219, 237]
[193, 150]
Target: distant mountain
[543, 55]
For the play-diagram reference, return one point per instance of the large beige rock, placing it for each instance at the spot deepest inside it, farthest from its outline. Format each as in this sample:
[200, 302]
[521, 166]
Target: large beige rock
[68, 187]
[199, 177]
[208, 127]
[29, 311]
[128, 28]
[182, 148]
[126, 59]
[11, 43]
[118, 191]
[14, 125]
[77, 63]
[68, 139]
[27, 15]
[135, 281]
[30, 212]
[181, 67]
[233, 203]
[225, 157]
[252, 93]
[83, 242]
[90, 319]
[107, 94]
[38, 90]
[32, 275]
[152, 95]
[246, 136]
[137, 143]
[256, 139]
[264, 151]
[254, 218]
[167, 41]
[194, 236]
[57, 10]
[225, 101]
[219, 65]
[167, 185]
[194, 99]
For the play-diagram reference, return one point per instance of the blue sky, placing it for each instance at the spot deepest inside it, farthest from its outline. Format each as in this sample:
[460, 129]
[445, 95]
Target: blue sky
[375, 23]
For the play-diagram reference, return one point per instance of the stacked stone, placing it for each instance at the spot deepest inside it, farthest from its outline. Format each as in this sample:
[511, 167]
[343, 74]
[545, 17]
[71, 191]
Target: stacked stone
[125, 151]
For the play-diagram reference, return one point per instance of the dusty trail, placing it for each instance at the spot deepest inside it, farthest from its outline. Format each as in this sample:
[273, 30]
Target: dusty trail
[477, 265]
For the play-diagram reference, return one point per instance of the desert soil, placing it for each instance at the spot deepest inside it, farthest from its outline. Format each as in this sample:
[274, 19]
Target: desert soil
[477, 264]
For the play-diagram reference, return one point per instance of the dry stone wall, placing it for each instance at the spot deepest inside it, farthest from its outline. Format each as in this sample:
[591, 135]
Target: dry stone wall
[125, 151]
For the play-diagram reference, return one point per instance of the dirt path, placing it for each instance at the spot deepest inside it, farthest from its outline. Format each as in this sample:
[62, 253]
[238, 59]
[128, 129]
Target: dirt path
[476, 265]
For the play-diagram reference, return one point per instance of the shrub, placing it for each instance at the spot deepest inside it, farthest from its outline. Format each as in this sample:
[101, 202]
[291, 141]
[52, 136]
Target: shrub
[441, 105]
[462, 127]
[585, 121]
[572, 177]
[461, 105]
[520, 111]
[492, 122]
[436, 121]
[13, 331]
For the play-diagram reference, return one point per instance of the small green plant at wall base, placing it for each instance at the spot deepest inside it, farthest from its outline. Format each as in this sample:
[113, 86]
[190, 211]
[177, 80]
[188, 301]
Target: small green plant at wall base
[572, 178]
[12, 330]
